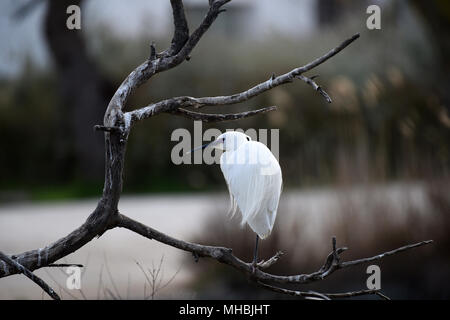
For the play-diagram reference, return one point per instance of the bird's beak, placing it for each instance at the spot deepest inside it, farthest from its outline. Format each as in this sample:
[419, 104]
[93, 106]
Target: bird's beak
[212, 144]
[198, 148]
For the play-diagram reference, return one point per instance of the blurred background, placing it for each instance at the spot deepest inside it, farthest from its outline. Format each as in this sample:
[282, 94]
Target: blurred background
[372, 168]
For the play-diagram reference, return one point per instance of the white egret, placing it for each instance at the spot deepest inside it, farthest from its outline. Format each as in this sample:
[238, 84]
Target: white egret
[254, 180]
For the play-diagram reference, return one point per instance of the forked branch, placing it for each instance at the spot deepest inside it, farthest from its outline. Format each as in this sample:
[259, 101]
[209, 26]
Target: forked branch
[183, 102]
[225, 255]
[165, 60]
[41, 283]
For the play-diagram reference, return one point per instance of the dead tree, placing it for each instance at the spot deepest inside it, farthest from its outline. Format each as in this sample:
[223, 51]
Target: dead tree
[116, 127]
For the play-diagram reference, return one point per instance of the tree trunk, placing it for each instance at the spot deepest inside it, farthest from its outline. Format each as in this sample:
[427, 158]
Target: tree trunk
[83, 91]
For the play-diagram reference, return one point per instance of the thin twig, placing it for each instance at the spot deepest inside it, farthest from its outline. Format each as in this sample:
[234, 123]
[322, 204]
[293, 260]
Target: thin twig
[63, 265]
[111, 278]
[41, 283]
[107, 291]
[382, 295]
[271, 261]
[316, 87]
[325, 296]
[100, 282]
[106, 129]
[383, 255]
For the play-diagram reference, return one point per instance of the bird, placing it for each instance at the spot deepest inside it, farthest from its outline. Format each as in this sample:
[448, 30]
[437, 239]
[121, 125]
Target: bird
[254, 179]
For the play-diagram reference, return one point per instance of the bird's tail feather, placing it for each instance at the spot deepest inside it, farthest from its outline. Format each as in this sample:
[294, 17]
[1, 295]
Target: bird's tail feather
[233, 206]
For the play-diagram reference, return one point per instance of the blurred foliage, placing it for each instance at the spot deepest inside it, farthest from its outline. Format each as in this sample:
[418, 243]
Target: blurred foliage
[383, 123]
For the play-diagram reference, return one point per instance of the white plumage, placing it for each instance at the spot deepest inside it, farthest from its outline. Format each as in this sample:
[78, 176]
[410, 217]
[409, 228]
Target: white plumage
[254, 180]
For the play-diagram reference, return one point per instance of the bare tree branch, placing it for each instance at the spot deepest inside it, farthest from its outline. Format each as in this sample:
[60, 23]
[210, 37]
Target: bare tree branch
[225, 255]
[152, 51]
[216, 117]
[211, 16]
[107, 129]
[271, 261]
[316, 87]
[146, 70]
[185, 101]
[382, 295]
[181, 32]
[325, 296]
[105, 215]
[63, 265]
[98, 222]
[41, 283]
[385, 254]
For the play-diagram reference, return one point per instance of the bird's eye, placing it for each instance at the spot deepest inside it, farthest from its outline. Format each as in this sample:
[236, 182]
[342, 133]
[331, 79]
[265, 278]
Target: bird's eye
[248, 138]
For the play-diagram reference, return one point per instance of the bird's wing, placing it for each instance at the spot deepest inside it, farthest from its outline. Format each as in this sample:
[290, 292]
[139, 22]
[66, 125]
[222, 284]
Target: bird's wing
[254, 180]
[233, 204]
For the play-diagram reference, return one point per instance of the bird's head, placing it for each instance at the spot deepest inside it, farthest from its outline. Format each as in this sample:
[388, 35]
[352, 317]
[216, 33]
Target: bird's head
[228, 141]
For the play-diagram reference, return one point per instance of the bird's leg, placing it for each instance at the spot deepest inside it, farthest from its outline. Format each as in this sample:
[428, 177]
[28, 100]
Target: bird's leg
[255, 256]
